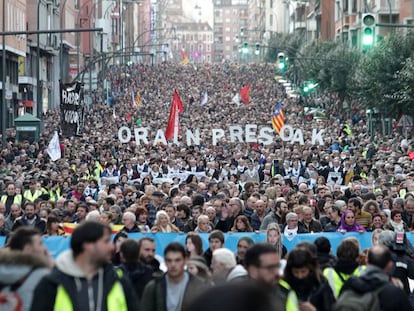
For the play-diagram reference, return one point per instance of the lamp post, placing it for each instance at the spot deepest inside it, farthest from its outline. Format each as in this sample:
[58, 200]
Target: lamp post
[38, 82]
[62, 17]
[3, 83]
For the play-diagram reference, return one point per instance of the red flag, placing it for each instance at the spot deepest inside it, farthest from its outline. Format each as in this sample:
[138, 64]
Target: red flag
[128, 116]
[173, 125]
[245, 94]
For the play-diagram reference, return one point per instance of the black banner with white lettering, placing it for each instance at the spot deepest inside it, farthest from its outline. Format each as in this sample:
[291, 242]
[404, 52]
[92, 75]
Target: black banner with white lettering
[71, 108]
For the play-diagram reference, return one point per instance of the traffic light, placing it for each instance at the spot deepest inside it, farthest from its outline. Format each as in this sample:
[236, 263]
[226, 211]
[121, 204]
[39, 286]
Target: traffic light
[368, 31]
[308, 87]
[257, 50]
[281, 61]
[245, 48]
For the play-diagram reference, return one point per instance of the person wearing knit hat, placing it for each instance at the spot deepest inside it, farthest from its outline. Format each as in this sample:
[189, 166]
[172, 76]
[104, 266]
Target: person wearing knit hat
[244, 243]
[197, 266]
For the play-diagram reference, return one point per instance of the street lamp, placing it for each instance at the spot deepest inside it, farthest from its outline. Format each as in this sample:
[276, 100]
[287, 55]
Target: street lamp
[3, 83]
[62, 17]
[38, 83]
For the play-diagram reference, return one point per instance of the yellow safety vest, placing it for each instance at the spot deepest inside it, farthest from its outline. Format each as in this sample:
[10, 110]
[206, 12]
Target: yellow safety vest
[32, 197]
[16, 200]
[115, 300]
[292, 302]
[98, 170]
[55, 195]
[335, 281]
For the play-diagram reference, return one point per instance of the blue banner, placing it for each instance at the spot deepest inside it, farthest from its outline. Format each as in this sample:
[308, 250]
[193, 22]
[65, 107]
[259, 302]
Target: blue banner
[57, 244]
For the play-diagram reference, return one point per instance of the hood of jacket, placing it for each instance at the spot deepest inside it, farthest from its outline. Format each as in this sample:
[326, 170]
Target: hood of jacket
[66, 263]
[236, 272]
[371, 278]
[15, 264]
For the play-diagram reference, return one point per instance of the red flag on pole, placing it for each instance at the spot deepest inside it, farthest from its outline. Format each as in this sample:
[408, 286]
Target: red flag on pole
[245, 94]
[173, 125]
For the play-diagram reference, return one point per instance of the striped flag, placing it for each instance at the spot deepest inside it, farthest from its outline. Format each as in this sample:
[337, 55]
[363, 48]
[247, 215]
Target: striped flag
[278, 119]
[69, 227]
[138, 99]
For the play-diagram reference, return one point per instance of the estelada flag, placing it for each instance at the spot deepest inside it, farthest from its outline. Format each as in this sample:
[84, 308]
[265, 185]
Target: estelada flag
[245, 94]
[173, 124]
[138, 99]
[278, 118]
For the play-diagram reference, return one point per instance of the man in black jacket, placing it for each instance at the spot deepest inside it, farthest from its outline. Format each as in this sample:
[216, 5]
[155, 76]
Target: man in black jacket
[30, 219]
[83, 279]
[229, 214]
[176, 289]
[139, 274]
[377, 274]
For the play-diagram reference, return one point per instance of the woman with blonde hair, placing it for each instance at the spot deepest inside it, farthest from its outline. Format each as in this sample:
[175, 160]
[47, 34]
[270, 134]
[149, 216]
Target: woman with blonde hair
[163, 223]
[275, 238]
[371, 207]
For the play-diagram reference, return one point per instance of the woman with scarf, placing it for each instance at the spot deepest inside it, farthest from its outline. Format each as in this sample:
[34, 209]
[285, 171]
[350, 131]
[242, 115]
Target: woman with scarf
[396, 222]
[305, 278]
[292, 226]
[349, 223]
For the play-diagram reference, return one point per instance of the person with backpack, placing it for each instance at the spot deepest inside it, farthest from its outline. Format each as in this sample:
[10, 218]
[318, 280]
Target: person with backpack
[20, 272]
[373, 290]
[346, 265]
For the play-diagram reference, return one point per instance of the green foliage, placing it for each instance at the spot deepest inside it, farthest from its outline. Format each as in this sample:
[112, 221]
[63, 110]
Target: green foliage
[381, 78]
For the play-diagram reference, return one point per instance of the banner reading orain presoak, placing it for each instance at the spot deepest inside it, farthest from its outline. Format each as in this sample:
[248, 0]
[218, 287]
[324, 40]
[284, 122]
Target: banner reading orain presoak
[71, 108]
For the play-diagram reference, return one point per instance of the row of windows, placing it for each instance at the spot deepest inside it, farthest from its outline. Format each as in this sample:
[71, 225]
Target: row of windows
[194, 48]
[16, 18]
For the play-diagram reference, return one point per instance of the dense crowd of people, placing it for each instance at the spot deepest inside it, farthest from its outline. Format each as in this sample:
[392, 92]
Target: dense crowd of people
[355, 182]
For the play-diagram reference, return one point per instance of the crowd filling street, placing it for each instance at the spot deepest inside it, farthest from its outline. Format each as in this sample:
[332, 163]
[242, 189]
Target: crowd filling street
[104, 189]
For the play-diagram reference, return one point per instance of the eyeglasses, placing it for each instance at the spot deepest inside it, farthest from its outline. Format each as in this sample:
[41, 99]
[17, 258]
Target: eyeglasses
[271, 267]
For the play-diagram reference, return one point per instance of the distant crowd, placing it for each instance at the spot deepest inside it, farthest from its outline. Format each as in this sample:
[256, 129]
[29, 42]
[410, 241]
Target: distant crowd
[355, 182]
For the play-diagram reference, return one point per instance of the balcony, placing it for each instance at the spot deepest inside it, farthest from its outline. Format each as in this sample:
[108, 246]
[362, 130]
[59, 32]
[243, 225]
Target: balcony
[383, 7]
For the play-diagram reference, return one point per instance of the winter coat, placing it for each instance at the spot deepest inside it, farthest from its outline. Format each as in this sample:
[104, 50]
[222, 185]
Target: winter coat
[391, 297]
[15, 266]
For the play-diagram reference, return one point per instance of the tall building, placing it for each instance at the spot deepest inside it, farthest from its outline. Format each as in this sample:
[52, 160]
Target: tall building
[231, 29]
[13, 19]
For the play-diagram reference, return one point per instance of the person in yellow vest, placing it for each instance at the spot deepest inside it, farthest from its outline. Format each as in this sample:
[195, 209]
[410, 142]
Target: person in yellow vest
[55, 192]
[11, 197]
[303, 274]
[83, 278]
[346, 266]
[32, 193]
[98, 169]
